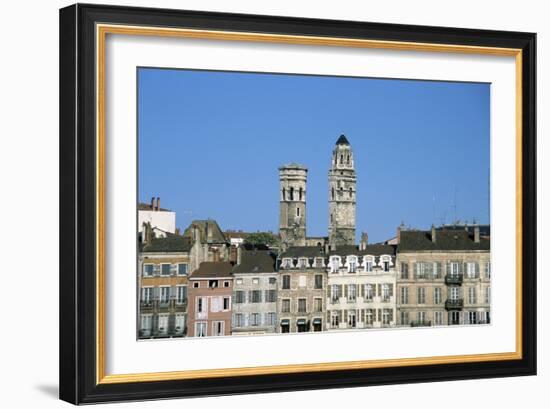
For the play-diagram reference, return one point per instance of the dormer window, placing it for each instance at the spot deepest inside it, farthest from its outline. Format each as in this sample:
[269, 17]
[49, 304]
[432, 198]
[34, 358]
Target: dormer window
[352, 264]
[334, 264]
[319, 262]
[385, 262]
[302, 263]
[287, 263]
[368, 264]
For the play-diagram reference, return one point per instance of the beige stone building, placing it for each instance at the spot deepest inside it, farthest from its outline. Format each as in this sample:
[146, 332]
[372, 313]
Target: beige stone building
[444, 276]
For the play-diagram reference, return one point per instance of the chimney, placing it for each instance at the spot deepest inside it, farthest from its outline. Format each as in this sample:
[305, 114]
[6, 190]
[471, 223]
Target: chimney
[399, 233]
[152, 203]
[147, 233]
[364, 241]
[476, 234]
[196, 234]
[326, 247]
[208, 231]
[433, 234]
[177, 232]
[158, 204]
[215, 255]
[239, 254]
[332, 246]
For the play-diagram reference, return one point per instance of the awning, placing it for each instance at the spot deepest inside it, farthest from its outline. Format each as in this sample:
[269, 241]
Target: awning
[285, 322]
[317, 321]
[301, 321]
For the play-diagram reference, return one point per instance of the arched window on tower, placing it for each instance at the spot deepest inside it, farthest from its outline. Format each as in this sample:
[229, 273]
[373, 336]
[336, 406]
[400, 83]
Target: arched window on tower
[335, 160]
[350, 192]
[284, 193]
[300, 194]
[341, 159]
[298, 211]
[331, 218]
[291, 193]
[332, 193]
[347, 160]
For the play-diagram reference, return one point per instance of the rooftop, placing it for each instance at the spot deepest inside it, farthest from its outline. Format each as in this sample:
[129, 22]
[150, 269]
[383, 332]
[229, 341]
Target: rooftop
[212, 269]
[445, 240]
[342, 140]
[172, 243]
[255, 261]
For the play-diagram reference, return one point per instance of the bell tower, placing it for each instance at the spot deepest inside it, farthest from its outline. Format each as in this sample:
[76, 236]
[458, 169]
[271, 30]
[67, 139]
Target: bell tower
[292, 208]
[342, 182]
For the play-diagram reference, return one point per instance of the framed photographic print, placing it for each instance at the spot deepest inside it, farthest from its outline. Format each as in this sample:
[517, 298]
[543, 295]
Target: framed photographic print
[258, 203]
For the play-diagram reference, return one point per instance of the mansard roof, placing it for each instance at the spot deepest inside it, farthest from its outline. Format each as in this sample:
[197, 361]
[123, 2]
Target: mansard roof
[205, 227]
[349, 250]
[212, 269]
[304, 251]
[255, 261]
[342, 140]
[445, 240]
[172, 243]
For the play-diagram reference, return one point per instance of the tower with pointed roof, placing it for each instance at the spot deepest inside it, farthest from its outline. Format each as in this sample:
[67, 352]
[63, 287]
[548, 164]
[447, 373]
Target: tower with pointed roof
[342, 182]
[292, 207]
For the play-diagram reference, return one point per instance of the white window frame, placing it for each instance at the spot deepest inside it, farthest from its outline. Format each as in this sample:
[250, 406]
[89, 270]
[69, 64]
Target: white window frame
[201, 324]
[148, 317]
[186, 269]
[152, 270]
[178, 300]
[214, 328]
[161, 288]
[149, 290]
[471, 269]
[164, 317]
[169, 268]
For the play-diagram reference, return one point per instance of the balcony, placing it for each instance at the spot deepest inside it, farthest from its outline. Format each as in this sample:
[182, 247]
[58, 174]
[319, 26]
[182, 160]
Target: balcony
[457, 304]
[454, 279]
[156, 305]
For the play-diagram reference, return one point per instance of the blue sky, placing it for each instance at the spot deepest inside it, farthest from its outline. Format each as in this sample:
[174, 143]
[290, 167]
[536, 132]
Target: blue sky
[210, 144]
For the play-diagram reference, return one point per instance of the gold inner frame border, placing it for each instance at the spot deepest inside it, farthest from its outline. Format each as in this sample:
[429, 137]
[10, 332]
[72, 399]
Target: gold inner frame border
[102, 30]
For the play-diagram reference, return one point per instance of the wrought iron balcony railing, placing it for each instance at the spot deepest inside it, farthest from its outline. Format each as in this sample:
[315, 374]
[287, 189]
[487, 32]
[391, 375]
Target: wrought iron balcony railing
[456, 304]
[454, 279]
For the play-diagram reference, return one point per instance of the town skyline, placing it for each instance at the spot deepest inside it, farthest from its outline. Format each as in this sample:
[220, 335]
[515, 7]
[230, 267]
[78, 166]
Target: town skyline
[246, 195]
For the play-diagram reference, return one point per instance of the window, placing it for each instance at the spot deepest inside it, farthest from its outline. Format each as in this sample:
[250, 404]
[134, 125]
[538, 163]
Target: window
[404, 295]
[302, 281]
[470, 317]
[421, 316]
[437, 295]
[286, 282]
[180, 323]
[215, 304]
[218, 328]
[335, 264]
[255, 319]
[471, 270]
[421, 295]
[438, 318]
[165, 269]
[164, 295]
[488, 270]
[291, 193]
[369, 292]
[285, 305]
[298, 211]
[318, 281]
[368, 266]
[352, 292]
[454, 293]
[387, 316]
[239, 297]
[385, 292]
[238, 320]
[226, 303]
[212, 283]
[146, 324]
[163, 323]
[318, 304]
[181, 295]
[487, 295]
[454, 318]
[300, 195]
[352, 265]
[334, 319]
[455, 271]
[287, 263]
[301, 305]
[386, 266]
[200, 329]
[271, 318]
[255, 296]
[270, 296]
[284, 193]
[272, 280]
[256, 280]
[350, 192]
[472, 295]
[335, 292]
[182, 269]
[404, 318]
[404, 271]
[351, 319]
[226, 284]
[196, 285]
[319, 261]
[302, 263]
[146, 295]
[369, 316]
[148, 270]
[201, 304]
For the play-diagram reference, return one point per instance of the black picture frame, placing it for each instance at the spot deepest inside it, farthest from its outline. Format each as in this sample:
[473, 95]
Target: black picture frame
[78, 318]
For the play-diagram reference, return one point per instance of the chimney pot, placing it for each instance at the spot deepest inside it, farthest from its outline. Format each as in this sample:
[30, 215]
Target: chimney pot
[476, 234]
[433, 234]
[158, 204]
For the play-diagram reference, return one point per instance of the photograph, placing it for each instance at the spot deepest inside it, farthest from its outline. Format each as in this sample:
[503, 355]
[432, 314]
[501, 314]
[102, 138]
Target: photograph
[282, 203]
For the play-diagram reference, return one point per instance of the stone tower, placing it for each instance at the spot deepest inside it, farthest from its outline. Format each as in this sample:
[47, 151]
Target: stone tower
[292, 214]
[342, 195]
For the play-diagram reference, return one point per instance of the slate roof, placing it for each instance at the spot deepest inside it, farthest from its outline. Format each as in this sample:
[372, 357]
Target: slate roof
[342, 140]
[204, 227]
[375, 250]
[446, 240]
[304, 251]
[172, 243]
[212, 269]
[147, 206]
[255, 261]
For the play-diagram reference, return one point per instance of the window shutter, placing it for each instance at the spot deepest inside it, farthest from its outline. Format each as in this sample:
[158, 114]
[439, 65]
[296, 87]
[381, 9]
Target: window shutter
[378, 289]
[172, 293]
[391, 290]
[345, 291]
[464, 267]
[477, 270]
[259, 296]
[466, 317]
[438, 270]
[360, 291]
[379, 315]
[156, 269]
[415, 266]
[340, 316]
[156, 293]
[173, 269]
[362, 314]
[391, 314]
[346, 316]
[339, 290]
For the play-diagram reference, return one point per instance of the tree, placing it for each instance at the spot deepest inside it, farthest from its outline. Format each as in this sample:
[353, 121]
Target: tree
[259, 238]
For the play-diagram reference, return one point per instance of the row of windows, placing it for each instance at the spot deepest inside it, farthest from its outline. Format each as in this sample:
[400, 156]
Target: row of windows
[254, 319]
[421, 269]
[301, 305]
[302, 282]
[454, 293]
[453, 318]
[335, 264]
[291, 194]
[164, 269]
[255, 296]
[217, 329]
[366, 291]
[203, 305]
[211, 283]
[256, 280]
[367, 316]
[164, 294]
[160, 324]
